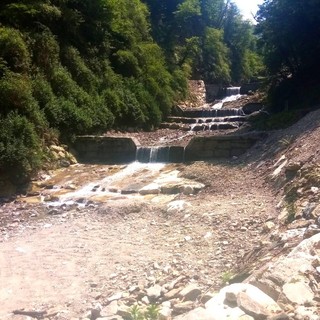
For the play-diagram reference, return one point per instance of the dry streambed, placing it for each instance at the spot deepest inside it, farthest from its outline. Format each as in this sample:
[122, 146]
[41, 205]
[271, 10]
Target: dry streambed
[96, 235]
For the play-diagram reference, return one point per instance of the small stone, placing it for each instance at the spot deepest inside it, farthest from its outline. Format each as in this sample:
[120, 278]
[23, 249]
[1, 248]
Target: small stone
[268, 226]
[111, 309]
[183, 307]
[190, 293]
[174, 293]
[96, 311]
[252, 307]
[145, 300]
[165, 313]
[124, 312]
[154, 292]
[116, 296]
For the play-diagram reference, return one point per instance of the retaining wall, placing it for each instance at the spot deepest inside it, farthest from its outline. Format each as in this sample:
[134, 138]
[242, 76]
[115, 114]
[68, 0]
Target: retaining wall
[112, 150]
[219, 147]
[102, 149]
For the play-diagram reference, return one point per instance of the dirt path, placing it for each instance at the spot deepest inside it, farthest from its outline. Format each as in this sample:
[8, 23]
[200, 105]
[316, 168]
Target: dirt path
[79, 256]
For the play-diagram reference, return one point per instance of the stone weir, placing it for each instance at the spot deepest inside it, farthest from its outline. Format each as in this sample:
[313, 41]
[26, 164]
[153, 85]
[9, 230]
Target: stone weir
[206, 119]
[117, 150]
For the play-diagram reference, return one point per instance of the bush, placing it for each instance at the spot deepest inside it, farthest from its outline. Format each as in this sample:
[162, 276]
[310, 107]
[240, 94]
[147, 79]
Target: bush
[20, 147]
[14, 50]
[45, 51]
[16, 95]
[80, 72]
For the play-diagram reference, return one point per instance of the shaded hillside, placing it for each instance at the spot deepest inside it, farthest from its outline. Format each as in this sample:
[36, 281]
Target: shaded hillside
[71, 67]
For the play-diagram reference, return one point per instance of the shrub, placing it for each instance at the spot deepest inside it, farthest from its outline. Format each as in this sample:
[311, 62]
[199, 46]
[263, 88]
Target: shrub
[14, 50]
[20, 147]
[45, 51]
[79, 70]
[16, 95]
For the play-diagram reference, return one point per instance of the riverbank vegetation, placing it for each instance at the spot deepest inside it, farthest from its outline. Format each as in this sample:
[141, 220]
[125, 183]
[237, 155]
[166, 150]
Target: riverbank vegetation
[71, 67]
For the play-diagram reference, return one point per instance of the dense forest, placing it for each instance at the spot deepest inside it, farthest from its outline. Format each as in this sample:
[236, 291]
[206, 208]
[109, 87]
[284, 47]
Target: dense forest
[71, 67]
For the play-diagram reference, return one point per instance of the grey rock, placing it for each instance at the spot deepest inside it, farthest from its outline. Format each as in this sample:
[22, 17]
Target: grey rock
[174, 293]
[252, 307]
[298, 292]
[183, 307]
[190, 293]
[123, 311]
[96, 312]
[312, 230]
[110, 310]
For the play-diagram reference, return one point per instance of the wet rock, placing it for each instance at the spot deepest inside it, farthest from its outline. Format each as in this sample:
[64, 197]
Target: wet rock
[64, 163]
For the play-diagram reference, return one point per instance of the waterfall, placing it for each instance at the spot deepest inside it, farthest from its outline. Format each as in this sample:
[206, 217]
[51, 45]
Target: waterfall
[152, 154]
[160, 154]
[232, 91]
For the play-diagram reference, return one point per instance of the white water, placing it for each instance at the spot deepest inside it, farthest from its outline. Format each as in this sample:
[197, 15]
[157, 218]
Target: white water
[232, 94]
[101, 187]
[219, 104]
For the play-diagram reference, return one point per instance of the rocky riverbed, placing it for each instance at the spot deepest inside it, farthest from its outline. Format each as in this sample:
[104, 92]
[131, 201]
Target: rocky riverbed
[90, 242]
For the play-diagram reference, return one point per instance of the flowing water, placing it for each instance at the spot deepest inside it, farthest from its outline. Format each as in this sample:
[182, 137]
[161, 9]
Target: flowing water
[108, 186]
[232, 94]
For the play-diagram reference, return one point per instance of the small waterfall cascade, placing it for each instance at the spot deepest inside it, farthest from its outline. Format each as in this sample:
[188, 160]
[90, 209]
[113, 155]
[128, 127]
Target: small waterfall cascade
[160, 154]
[211, 116]
[232, 91]
[207, 120]
[230, 94]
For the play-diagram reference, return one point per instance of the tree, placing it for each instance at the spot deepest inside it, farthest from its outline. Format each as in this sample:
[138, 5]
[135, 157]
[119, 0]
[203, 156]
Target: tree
[289, 32]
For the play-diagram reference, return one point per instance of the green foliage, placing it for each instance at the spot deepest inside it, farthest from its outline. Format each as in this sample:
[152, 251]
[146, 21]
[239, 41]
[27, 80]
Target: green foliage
[20, 147]
[45, 51]
[14, 50]
[289, 33]
[276, 121]
[184, 27]
[86, 66]
[79, 70]
[215, 53]
[152, 313]
[227, 276]
[16, 95]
